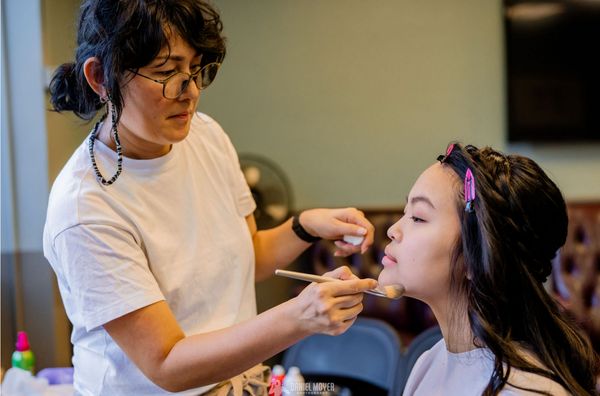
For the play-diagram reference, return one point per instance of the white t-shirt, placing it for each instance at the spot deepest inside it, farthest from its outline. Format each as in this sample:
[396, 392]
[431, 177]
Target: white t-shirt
[440, 372]
[171, 228]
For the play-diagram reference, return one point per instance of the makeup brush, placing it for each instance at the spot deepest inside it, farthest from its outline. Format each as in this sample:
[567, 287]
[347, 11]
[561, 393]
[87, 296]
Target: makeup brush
[393, 291]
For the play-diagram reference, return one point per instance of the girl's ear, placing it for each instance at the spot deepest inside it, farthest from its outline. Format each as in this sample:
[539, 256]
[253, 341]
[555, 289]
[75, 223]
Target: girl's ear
[92, 69]
[469, 275]
[468, 272]
[460, 261]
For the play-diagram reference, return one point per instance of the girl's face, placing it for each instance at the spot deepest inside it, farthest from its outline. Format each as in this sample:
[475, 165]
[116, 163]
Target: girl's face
[423, 240]
[150, 123]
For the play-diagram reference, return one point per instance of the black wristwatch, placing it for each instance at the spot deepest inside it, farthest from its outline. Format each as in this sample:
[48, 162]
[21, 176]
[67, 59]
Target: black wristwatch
[301, 232]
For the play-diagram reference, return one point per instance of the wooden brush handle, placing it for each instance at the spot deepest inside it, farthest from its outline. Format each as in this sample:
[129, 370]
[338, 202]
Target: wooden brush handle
[320, 279]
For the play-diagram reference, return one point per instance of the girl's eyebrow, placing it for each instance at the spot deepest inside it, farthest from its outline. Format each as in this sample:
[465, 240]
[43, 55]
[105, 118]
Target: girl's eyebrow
[420, 198]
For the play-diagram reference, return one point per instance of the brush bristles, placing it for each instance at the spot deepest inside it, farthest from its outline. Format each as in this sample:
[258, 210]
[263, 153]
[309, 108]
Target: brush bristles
[393, 291]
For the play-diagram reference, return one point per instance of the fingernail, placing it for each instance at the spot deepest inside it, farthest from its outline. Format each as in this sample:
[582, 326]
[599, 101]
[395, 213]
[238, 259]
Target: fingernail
[362, 231]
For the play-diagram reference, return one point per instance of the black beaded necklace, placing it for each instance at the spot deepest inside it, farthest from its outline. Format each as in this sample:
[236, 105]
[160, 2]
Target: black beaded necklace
[115, 137]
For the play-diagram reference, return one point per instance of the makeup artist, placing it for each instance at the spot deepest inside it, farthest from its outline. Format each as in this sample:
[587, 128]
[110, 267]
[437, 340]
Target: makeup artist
[150, 228]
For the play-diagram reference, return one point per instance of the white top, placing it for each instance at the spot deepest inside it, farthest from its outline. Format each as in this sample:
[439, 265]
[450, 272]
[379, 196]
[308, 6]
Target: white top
[171, 228]
[440, 372]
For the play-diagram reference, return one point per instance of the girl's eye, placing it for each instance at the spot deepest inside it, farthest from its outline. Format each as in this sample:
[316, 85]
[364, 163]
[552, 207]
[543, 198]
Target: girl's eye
[417, 219]
[167, 72]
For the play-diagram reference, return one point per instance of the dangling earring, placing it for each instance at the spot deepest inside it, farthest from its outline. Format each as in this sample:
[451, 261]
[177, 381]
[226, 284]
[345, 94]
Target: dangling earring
[114, 136]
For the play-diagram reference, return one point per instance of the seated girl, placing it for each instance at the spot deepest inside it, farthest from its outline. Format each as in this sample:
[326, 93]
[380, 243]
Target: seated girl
[476, 243]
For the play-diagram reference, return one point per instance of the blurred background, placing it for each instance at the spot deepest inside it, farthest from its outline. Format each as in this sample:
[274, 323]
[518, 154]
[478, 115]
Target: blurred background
[347, 100]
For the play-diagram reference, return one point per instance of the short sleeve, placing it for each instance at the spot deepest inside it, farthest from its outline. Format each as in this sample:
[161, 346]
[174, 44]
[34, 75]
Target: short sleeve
[106, 273]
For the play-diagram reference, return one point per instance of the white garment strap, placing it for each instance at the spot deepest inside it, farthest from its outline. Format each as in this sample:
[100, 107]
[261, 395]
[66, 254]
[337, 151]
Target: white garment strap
[252, 382]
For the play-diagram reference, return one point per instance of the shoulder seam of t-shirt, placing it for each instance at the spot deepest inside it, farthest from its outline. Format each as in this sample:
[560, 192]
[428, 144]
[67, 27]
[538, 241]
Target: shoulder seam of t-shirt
[100, 223]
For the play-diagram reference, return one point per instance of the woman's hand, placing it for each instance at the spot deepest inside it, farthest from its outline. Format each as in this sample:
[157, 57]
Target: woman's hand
[335, 223]
[332, 307]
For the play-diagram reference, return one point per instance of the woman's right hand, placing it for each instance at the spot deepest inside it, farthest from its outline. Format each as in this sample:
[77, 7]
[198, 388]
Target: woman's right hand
[332, 307]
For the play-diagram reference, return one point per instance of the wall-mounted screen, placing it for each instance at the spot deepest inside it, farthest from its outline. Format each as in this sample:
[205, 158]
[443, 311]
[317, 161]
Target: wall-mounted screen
[553, 70]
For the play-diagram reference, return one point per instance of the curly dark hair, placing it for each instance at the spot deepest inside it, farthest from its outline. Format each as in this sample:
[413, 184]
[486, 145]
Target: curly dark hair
[507, 245]
[126, 35]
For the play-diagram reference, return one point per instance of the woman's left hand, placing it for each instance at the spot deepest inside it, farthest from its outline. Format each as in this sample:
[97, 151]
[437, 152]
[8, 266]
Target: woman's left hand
[333, 224]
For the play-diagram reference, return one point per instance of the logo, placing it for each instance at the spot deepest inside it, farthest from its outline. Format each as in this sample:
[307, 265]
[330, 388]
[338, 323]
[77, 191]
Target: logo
[307, 388]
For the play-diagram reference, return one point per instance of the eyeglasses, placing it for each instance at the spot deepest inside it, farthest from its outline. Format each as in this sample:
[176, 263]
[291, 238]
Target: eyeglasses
[176, 83]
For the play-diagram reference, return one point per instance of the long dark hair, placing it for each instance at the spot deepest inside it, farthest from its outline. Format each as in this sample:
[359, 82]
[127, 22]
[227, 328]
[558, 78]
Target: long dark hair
[129, 34]
[504, 255]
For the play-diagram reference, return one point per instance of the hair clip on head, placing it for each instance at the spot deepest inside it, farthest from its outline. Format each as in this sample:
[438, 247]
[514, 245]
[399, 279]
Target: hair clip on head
[442, 158]
[469, 191]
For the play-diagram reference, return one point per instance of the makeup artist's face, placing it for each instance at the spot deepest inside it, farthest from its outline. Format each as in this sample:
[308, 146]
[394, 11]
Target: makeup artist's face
[422, 242]
[150, 123]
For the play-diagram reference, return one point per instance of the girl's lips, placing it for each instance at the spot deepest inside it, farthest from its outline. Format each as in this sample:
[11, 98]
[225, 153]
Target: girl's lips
[388, 261]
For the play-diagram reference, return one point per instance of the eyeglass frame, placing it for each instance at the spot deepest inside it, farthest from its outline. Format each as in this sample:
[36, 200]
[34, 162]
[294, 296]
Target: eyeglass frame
[190, 75]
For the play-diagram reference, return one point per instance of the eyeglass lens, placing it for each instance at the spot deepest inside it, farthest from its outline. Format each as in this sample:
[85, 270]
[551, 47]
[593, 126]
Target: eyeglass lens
[175, 86]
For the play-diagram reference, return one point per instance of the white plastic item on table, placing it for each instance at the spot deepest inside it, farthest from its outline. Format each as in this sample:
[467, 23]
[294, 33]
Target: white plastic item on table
[19, 382]
[293, 383]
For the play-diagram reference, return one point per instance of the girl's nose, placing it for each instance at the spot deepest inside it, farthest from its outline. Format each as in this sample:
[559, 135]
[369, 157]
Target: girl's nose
[394, 232]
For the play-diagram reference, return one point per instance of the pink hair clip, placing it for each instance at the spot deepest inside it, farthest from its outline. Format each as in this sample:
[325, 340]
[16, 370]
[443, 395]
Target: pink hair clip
[442, 158]
[469, 191]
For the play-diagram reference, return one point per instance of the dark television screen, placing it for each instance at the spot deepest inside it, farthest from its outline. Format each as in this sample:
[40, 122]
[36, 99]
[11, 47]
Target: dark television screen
[553, 70]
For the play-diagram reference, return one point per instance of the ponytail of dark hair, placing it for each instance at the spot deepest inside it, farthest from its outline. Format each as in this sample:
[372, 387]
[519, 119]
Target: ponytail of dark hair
[69, 93]
[127, 35]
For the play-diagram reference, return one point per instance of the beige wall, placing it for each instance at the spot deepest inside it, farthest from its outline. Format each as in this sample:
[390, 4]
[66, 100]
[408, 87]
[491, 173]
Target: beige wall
[353, 99]
[65, 131]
